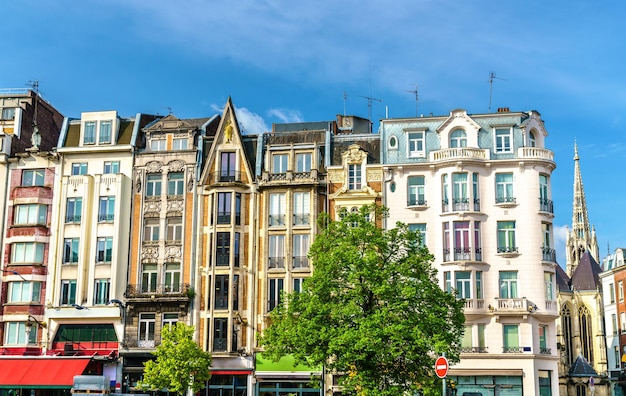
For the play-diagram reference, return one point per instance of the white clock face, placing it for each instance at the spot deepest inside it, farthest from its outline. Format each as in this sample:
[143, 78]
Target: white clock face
[346, 122]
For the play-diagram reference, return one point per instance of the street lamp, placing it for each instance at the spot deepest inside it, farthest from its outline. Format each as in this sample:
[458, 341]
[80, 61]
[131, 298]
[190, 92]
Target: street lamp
[4, 271]
[29, 325]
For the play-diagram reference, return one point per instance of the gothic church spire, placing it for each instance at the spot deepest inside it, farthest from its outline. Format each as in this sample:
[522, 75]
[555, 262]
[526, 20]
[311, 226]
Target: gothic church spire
[582, 236]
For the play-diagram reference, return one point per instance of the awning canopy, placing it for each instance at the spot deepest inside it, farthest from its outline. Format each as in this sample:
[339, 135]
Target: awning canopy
[285, 368]
[56, 372]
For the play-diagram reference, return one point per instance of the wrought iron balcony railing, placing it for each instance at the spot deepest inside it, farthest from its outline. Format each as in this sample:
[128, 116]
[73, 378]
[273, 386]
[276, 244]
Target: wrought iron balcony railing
[546, 205]
[478, 349]
[505, 200]
[165, 290]
[548, 254]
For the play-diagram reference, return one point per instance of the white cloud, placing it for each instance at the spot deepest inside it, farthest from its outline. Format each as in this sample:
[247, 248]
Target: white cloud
[286, 115]
[250, 123]
[560, 238]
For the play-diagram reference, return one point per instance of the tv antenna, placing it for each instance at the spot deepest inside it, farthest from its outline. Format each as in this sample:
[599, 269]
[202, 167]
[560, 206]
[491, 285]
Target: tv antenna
[416, 98]
[492, 77]
[345, 98]
[369, 105]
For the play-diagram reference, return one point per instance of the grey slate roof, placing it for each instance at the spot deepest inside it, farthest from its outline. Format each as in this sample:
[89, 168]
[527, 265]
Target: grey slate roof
[562, 280]
[582, 368]
[586, 276]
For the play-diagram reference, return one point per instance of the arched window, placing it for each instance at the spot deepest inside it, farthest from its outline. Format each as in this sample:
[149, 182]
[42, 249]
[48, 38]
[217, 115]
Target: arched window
[458, 138]
[566, 326]
[532, 142]
[586, 335]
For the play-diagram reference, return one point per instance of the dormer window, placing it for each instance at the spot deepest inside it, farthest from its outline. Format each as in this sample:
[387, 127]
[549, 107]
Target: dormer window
[157, 145]
[532, 142]
[354, 177]
[458, 138]
[416, 145]
[279, 163]
[504, 140]
[105, 131]
[89, 136]
[180, 143]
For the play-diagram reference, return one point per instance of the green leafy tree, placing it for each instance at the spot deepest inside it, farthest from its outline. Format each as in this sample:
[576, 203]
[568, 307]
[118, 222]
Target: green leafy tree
[180, 363]
[372, 309]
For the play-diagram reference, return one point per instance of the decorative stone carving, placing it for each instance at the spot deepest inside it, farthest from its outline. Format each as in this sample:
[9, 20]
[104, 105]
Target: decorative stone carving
[354, 155]
[154, 166]
[138, 181]
[149, 253]
[190, 176]
[173, 253]
[152, 207]
[374, 175]
[175, 166]
[175, 205]
[336, 176]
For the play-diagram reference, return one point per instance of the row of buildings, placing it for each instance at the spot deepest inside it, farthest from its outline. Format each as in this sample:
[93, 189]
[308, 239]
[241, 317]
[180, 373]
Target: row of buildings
[114, 227]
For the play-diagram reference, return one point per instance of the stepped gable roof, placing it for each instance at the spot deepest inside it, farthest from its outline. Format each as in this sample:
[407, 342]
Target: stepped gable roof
[582, 368]
[586, 276]
[562, 280]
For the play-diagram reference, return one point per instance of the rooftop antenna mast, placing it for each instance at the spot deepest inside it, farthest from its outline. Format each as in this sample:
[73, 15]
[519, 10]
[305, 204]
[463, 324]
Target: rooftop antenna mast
[345, 98]
[492, 77]
[416, 98]
[369, 105]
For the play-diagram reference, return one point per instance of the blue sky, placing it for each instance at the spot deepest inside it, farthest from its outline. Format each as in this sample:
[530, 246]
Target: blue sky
[284, 61]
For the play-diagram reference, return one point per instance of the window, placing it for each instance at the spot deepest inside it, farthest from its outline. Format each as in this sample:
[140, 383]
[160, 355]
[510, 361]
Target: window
[447, 282]
[104, 250]
[235, 292]
[146, 329]
[508, 284]
[614, 323]
[111, 167]
[68, 292]
[463, 280]
[545, 203]
[175, 229]
[303, 162]
[279, 163]
[172, 277]
[548, 280]
[89, 136]
[277, 251]
[543, 343]
[393, 143]
[612, 293]
[220, 334]
[477, 246]
[228, 166]
[506, 237]
[475, 192]
[157, 145]
[504, 188]
[460, 194]
[479, 285]
[31, 214]
[300, 251]
[532, 141]
[33, 177]
[297, 284]
[549, 254]
[8, 113]
[301, 208]
[27, 252]
[15, 334]
[79, 168]
[73, 210]
[277, 209]
[170, 320]
[101, 291]
[106, 212]
[622, 319]
[466, 341]
[620, 290]
[462, 250]
[105, 132]
[504, 138]
[237, 208]
[148, 278]
[236, 248]
[221, 291]
[24, 292]
[175, 183]
[180, 143]
[70, 251]
[151, 230]
[616, 356]
[511, 338]
[446, 241]
[416, 191]
[416, 144]
[458, 138]
[222, 251]
[420, 228]
[275, 290]
[354, 177]
[224, 203]
[153, 185]
[444, 193]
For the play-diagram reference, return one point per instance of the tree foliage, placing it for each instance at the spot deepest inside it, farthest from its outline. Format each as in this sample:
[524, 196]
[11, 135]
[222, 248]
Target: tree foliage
[180, 363]
[372, 309]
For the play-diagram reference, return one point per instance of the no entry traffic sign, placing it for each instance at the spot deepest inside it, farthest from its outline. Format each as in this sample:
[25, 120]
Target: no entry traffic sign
[441, 367]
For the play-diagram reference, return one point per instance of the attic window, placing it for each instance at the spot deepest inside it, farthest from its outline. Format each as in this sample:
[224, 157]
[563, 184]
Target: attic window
[393, 143]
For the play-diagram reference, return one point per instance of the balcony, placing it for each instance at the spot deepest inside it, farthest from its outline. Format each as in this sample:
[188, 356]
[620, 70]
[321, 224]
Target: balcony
[106, 218]
[545, 351]
[300, 262]
[223, 217]
[415, 203]
[181, 290]
[506, 201]
[478, 349]
[446, 254]
[462, 254]
[72, 219]
[548, 254]
[151, 342]
[301, 219]
[474, 304]
[454, 154]
[515, 305]
[535, 153]
[225, 176]
[460, 204]
[276, 263]
[508, 251]
[299, 178]
[546, 205]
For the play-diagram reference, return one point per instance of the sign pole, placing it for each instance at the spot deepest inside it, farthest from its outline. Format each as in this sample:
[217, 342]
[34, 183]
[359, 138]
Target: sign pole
[441, 369]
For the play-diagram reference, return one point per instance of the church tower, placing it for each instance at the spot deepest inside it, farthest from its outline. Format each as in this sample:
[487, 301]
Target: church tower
[582, 236]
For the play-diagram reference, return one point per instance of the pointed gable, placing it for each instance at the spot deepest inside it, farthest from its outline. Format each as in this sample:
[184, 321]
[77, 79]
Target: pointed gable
[582, 368]
[586, 276]
[562, 280]
[459, 119]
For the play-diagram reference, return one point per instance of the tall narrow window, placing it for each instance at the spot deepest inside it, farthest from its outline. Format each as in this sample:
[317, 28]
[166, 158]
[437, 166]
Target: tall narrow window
[89, 135]
[421, 230]
[586, 333]
[32, 177]
[101, 291]
[446, 241]
[172, 278]
[235, 292]
[224, 202]
[416, 190]
[476, 192]
[462, 249]
[511, 338]
[221, 291]
[508, 284]
[277, 209]
[175, 183]
[543, 343]
[68, 292]
[275, 289]
[532, 141]
[548, 280]
[105, 132]
[222, 251]
[444, 193]
[300, 251]
[479, 285]
[106, 212]
[228, 166]
[478, 251]
[544, 199]
[148, 278]
[237, 208]
[104, 250]
[354, 177]
[153, 185]
[70, 251]
[236, 250]
[463, 281]
[611, 293]
[220, 334]
[303, 162]
[506, 237]
[460, 195]
[447, 281]
[301, 208]
[504, 188]
[147, 323]
[277, 251]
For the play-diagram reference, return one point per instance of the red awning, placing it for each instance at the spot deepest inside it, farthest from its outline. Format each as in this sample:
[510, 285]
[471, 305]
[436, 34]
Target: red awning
[57, 372]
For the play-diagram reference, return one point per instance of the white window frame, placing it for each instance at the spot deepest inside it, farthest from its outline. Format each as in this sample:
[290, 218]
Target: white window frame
[30, 214]
[101, 291]
[27, 252]
[416, 144]
[154, 185]
[508, 286]
[458, 138]
[15, 334]
[180, 143]
[355, 177]
[304, 162]
[105, 134]
[89, 132]
[278, 210]
[463, 284]
[503, 139]
[111, 167]
[505, 192]
[33, 177]
[280, 163]
[24, 292]
[301, 250]
[158, 145]
[276, 251]
[302, 208]
[68, 292]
